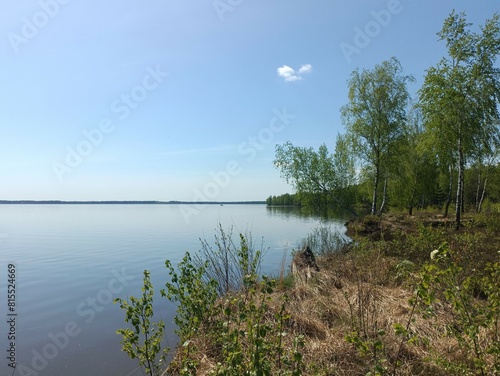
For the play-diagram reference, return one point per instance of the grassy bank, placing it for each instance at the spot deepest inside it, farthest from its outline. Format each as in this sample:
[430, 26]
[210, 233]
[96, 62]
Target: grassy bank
[410, 296]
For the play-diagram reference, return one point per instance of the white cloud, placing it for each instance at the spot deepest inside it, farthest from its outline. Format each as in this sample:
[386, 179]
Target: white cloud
[306, 68]
[290, 75]
[287, 73]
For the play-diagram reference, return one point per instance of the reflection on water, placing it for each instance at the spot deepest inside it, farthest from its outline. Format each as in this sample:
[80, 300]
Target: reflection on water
[323, 215]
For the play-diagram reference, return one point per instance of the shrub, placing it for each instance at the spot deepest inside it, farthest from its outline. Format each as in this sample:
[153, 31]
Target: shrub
[196, 297]
[474, 322]
[144, 342]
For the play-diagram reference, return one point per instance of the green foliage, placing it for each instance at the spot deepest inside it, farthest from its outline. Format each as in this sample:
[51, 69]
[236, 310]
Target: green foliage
[417, 246]
[329, 178]
[284, 200]
[375, 118]
[475, 324]
[251, 343]
[403, 270]
[489, 219]
[371, 347]
[415, 173]
[306, 169]
[196, 297]
[144, 342]
[460, 96]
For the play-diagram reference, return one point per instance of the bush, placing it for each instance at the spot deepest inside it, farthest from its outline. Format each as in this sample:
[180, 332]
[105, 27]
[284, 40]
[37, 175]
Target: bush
[195, 296]
[474, 322]
[139, 313]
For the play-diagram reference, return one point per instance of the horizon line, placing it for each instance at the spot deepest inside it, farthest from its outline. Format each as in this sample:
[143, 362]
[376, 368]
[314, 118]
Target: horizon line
[128, 202]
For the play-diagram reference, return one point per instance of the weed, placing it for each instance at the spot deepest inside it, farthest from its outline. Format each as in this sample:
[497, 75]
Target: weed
[223, 262]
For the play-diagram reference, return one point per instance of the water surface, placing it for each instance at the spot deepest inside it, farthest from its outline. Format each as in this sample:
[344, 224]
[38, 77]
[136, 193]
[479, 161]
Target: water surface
[72, 260]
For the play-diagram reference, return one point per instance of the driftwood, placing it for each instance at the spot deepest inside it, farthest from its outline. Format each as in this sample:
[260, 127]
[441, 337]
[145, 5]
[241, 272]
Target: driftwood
[304, 265]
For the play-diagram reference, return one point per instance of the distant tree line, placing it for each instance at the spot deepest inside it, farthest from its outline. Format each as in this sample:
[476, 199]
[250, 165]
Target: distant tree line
[440, 149]
[303, 199]
[286, 199]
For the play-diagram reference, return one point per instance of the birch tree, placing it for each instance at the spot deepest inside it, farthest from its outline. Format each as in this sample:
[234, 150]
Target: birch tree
[460, 95]
[320, 172]
[375, 117]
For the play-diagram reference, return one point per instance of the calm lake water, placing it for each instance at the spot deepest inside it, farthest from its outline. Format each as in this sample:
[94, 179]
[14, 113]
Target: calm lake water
[72, 260]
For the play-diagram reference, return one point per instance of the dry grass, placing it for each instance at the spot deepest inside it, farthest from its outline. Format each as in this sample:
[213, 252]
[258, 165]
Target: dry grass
[325, 314]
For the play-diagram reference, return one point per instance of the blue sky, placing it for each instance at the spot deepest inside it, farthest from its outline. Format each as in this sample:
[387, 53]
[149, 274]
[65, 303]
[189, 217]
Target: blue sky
[178, 100]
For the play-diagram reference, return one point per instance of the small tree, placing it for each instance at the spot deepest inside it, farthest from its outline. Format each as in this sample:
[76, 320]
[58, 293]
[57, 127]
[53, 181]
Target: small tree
[144, 342]
[196, 297]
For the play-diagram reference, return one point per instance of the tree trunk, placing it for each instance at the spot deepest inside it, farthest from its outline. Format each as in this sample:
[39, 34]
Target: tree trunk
[375, 189]
[482, 196]
[460, 186]
[450, 191]
[462, 207]
[411, 203]
[384, 196]
[478, 189]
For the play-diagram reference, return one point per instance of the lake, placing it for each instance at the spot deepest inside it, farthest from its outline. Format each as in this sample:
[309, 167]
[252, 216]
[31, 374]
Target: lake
[71, 261]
